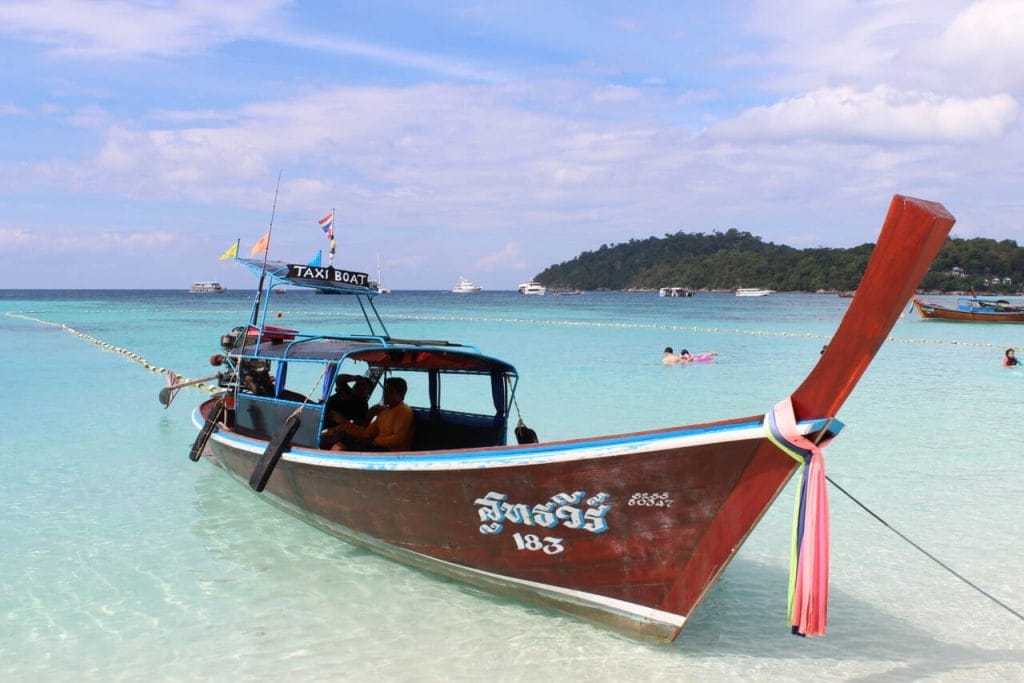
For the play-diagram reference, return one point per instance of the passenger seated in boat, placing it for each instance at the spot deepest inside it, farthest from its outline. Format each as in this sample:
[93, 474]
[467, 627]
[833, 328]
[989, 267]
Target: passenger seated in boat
[1010, 359]
[670, 357]
[350, 400]
[391, 429]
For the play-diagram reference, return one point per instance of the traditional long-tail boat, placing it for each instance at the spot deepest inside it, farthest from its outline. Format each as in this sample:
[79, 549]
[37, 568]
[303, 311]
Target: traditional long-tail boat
[975, 309]
[627, 530]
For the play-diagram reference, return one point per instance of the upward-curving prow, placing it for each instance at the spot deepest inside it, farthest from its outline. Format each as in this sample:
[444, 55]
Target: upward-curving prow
[911, 237]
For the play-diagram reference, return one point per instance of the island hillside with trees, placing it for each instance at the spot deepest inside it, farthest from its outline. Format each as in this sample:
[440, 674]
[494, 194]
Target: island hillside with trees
[731, 259]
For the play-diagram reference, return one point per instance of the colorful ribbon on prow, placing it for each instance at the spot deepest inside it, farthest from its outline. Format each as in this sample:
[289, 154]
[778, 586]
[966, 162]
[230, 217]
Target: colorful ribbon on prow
[809, 555]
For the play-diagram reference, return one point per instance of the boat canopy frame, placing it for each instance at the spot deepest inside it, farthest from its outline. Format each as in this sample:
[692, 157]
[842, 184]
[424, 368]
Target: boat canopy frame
[261, 342]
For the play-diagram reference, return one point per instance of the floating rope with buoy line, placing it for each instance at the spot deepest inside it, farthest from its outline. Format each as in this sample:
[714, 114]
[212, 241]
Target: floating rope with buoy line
[166, 394]
[566, 323]
[687, 328]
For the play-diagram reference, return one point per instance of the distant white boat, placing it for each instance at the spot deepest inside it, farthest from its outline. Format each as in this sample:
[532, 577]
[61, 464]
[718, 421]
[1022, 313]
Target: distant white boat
[675, 291]
[207, 288]
[534, 288]
[465, 287]
[753, 291]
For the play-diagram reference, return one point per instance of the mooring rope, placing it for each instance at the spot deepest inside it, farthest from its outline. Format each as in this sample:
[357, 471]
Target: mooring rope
[131, 355]
[926, 553]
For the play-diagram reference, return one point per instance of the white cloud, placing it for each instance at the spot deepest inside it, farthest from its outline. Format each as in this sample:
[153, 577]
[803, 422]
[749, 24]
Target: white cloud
[119, 28]
[115, 29]
[984, 45]
[881, 114]
[463, 163]
[11, 238]
[12, 110]
[68, 240]
[958, 47]
[411, 59]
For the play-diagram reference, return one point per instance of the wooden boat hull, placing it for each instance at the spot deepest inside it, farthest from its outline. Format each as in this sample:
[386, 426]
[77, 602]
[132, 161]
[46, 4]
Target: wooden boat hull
[627, 530]
[631, 535]
[932, 311]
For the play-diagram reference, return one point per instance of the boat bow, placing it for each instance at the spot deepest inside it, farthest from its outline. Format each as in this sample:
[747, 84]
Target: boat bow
[913, 232]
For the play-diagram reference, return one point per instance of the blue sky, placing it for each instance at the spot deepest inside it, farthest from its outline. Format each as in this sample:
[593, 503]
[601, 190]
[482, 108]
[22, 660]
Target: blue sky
[138, 140]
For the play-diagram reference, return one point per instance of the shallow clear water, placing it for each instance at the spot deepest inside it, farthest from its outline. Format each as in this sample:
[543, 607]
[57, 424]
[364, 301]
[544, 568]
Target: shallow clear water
[123, 560]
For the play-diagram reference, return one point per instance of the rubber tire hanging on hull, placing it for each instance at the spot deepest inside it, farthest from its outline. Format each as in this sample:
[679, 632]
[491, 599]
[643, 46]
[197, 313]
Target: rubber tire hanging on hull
[281, 441]
[199, 445]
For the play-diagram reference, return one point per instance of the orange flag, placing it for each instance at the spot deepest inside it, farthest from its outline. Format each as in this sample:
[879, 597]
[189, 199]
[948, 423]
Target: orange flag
[262, 245]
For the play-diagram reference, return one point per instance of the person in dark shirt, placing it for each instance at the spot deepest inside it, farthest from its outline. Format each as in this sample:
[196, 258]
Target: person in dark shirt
[351, 400]
[350, 403]
[1010, 359]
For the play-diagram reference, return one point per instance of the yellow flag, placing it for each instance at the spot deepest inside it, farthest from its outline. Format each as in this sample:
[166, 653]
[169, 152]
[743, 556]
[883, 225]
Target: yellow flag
[262, 245]
[230, 253]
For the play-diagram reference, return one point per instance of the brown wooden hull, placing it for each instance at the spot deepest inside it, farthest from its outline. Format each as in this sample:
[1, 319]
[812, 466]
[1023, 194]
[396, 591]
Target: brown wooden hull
[631, 530]
[636, 551]
[930, 311]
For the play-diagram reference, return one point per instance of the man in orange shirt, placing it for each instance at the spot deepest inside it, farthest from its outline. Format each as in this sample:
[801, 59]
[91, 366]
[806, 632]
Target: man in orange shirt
[391, 429]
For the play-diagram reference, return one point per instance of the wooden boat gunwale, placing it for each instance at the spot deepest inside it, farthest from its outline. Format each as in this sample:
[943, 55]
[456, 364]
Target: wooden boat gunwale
[514, 455]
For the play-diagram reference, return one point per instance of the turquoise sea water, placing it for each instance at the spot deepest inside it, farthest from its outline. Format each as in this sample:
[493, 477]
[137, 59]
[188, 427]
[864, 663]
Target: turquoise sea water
[123, 560]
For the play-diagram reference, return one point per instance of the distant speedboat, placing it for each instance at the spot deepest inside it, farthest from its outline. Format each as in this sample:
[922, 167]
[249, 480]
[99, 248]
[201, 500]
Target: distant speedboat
[465, 287]
[207, 288]
[753, 291]
[533, 288]
[972, 309]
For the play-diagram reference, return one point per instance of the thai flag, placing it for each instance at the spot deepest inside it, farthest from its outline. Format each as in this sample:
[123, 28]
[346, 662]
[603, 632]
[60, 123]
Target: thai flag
[327, 225]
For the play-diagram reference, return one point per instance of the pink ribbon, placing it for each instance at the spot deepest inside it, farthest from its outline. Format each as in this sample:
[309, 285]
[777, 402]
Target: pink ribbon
[809, 570]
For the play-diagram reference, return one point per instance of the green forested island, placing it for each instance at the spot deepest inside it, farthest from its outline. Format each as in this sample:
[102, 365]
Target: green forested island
[731, 259]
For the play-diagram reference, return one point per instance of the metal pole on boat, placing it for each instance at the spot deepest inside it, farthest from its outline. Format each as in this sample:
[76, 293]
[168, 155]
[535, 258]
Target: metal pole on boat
[266, 253]
[332, 244]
